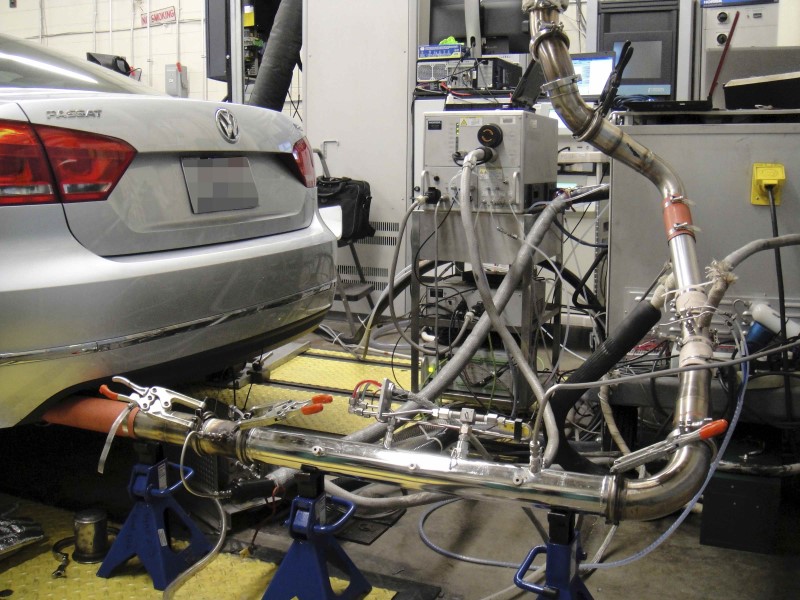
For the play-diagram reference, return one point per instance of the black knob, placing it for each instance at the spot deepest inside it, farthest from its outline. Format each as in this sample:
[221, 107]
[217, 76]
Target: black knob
[722, 17]
[722, 38]
[490, 135]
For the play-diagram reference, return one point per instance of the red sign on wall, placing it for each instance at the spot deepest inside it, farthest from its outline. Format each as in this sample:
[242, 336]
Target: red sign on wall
[163, 15]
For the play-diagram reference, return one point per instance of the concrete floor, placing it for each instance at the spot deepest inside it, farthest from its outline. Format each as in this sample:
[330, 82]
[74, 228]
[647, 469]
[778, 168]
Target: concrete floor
[681, 569]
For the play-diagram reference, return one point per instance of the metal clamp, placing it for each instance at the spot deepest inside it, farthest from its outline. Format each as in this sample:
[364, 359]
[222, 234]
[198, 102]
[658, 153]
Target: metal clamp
[554, 85]
[668, 446]
[682, 228]
[156, 401]
[263, 416]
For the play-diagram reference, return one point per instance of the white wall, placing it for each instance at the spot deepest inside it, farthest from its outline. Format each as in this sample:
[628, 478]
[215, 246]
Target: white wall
[114, 27]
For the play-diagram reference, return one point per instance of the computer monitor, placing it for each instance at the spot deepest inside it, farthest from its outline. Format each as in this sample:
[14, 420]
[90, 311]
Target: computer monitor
[646, 73]
[594, 69]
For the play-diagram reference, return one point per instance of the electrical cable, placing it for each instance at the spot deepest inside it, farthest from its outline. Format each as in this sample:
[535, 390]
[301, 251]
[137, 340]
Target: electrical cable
[589, 193]
[449, 554]
[576, 239]
[482, 284]
[391, 296]
[584, 282]
[787, 386]
[574, 282]
[430, 235]
[383, 502]
[673, 371]
[557, 270]
[403, 279]
[178, 582]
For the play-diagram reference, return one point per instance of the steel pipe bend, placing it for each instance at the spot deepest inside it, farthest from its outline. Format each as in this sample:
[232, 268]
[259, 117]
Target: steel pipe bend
[676, 484]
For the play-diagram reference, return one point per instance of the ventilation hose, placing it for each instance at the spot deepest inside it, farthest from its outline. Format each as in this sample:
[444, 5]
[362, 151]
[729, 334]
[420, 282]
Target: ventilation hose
[643, 318]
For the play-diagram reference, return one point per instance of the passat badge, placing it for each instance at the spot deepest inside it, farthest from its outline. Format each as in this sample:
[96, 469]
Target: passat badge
[73, 114]
[227, 125]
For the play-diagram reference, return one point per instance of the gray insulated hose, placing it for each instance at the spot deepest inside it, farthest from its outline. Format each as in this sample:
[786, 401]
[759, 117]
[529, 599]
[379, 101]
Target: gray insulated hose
[280, 56]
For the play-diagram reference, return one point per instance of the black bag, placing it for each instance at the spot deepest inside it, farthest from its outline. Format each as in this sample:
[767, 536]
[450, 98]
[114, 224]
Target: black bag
[354, 197]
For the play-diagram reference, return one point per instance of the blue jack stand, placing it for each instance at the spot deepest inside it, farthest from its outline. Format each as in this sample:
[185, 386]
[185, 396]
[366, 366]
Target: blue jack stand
[564, 554]
[145, 533]
[303, 573]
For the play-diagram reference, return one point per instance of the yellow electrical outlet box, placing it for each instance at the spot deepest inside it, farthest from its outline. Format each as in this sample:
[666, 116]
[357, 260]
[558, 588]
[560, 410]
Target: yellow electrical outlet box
[764, 175]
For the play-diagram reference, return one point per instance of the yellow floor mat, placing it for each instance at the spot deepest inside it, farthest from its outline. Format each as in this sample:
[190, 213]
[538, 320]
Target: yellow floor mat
[300, 378]
[28, 573]
[334, 418]
[371, 358]
[320, 372]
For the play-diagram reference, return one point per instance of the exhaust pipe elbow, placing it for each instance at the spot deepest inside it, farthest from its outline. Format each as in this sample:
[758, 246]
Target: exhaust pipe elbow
[666, 492]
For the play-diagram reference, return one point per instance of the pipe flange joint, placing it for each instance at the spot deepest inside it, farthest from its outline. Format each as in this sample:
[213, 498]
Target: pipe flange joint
[548, 30]
[615, 487]
[241, 446]
[529, 5]
[591, 128]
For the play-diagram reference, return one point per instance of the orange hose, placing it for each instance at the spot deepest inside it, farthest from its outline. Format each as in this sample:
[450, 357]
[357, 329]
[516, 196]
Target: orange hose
[92, 414]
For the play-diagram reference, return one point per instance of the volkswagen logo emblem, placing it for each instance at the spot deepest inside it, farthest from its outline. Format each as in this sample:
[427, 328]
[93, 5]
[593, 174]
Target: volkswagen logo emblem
[227, 125]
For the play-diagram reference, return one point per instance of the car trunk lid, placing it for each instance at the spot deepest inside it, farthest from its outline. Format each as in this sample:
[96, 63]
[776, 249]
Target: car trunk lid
[203, 173]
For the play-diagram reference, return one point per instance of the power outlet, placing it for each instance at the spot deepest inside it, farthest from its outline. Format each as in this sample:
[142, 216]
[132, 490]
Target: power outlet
[765, 174]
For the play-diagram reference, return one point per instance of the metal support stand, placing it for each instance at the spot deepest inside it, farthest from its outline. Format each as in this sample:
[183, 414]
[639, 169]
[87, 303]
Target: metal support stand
[303, 573]
[146, 534]
[564, 554]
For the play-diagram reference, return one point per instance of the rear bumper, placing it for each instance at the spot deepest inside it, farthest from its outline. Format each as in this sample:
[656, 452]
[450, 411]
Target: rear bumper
[68, 317]
[26, 387]
[167, 370]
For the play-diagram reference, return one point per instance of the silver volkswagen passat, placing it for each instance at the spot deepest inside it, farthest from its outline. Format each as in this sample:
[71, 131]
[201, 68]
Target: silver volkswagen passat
[145, 235]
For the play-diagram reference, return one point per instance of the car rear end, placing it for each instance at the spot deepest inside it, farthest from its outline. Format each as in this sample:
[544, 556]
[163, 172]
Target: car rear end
[152, 236]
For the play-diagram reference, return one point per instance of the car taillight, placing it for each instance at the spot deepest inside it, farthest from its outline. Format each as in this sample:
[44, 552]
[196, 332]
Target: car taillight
[24, 173]
[304, 161]
[86, 166]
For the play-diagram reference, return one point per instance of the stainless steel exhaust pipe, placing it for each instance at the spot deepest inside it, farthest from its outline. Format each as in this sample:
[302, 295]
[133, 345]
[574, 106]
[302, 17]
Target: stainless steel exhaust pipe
[414, 470]
[678, 482]
[610, 496]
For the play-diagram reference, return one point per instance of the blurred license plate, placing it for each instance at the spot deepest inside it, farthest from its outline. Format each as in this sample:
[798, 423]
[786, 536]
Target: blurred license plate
[217, 184]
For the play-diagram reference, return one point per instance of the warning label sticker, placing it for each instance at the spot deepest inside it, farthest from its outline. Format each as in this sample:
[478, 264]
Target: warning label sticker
[471, 121]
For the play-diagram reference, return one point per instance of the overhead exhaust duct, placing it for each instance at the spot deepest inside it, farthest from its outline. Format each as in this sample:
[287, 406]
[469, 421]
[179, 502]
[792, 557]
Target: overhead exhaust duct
[281, 55]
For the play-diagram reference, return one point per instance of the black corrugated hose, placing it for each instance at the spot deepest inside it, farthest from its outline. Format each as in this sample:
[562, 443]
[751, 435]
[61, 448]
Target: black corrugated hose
[640, 320]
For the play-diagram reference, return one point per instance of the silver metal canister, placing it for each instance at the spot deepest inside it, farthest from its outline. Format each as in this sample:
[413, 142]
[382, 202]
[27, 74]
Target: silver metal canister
[91, 536]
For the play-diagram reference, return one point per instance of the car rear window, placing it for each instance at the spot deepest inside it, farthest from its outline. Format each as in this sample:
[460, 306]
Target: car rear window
[28, 65]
